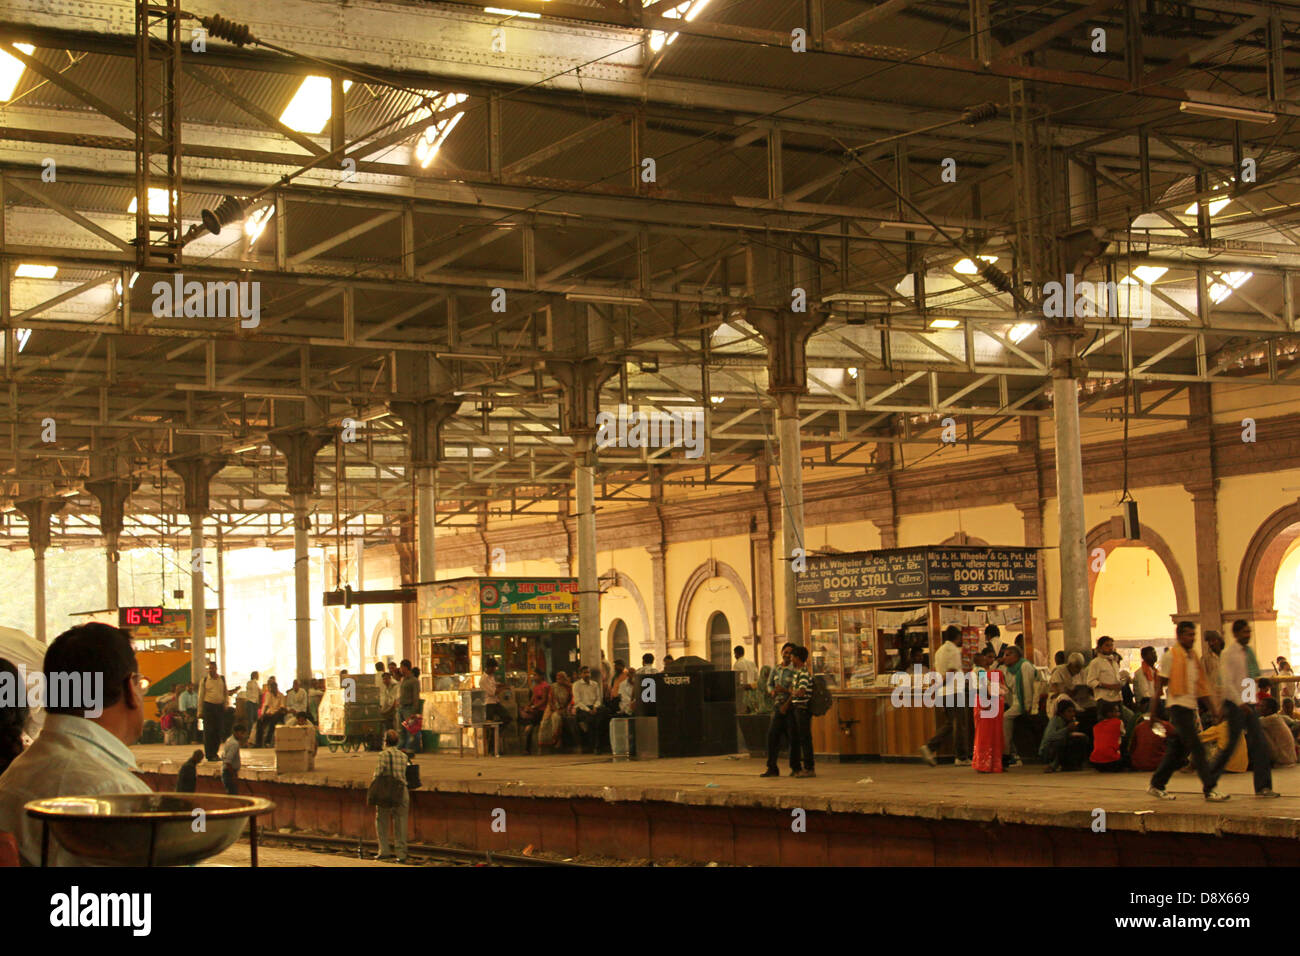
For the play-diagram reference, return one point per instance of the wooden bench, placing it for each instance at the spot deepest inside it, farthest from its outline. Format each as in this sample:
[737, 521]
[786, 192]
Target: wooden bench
[496, 737]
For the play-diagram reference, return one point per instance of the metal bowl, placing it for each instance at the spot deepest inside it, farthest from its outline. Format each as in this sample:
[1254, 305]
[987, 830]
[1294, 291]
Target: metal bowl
[147, 829]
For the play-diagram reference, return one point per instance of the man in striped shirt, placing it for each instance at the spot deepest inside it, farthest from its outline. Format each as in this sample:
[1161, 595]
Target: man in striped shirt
[802, 761]
[392, 763]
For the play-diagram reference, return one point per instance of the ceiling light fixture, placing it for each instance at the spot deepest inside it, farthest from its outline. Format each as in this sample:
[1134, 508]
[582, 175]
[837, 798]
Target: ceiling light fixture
[1021, 331]
[30, 270]
[605, 299]
[945, 323]
[968, 268]
[157, 201]
[310, 108]
[11, 70]
[1226, 112]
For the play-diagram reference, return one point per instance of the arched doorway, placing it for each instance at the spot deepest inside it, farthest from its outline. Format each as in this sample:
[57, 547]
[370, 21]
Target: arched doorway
[1136, 588]
[720, 641]
[1286, 600]
[619, 646]
[1263, 585]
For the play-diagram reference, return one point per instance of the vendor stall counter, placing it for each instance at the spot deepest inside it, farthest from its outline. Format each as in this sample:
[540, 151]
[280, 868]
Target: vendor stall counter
[871, 618]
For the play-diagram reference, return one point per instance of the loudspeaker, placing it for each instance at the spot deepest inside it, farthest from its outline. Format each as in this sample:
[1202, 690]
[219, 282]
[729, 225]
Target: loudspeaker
[718, 733]
[720, 685]
[1132, 527]
[680, 732]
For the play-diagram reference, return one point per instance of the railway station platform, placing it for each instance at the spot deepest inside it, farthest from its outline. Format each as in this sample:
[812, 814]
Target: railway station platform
[718, 810]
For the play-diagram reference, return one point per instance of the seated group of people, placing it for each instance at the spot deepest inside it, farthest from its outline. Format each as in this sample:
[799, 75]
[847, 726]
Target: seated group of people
[593, 701]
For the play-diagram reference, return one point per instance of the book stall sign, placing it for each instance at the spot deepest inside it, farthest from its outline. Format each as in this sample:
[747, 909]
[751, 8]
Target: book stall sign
[866, 577]
[508, 596]
[982, 573]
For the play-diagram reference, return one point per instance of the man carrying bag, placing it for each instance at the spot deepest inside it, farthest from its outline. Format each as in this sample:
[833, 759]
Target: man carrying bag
[387, 794]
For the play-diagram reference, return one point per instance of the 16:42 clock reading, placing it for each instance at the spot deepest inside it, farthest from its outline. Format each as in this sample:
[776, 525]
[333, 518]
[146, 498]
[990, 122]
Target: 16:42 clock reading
[136, 616]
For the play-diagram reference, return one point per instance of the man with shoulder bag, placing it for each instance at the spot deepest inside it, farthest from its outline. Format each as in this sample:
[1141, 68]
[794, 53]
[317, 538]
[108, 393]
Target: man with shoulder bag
[389, 797]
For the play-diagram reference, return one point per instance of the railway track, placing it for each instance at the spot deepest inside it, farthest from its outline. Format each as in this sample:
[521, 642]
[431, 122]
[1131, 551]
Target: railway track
[418, 854]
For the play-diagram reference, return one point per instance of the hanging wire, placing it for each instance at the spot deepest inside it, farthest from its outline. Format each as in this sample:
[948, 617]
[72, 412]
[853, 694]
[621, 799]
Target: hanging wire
[338, 528]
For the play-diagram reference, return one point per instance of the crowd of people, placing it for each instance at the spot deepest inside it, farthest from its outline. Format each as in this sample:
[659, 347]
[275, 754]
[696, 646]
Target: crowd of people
[1215, 713]
[259, 708]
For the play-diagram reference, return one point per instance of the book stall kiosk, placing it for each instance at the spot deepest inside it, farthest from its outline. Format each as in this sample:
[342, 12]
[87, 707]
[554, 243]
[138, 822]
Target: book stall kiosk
[868, 614]
[523, 623]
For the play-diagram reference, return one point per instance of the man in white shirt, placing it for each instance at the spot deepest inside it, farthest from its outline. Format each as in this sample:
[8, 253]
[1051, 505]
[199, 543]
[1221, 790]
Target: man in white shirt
[212, 700]
[747, 670]
[1104, 675]
[586, 708]
[493, 709]
[1238, 672]
[252, 700]
[957, 716]
[648, 664]
[296, 699]
[388, 694]
[84, 747]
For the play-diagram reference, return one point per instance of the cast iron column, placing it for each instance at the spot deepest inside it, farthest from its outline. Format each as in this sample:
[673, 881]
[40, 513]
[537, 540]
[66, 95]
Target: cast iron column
[299, 447]
[112, 494]
[196, 474]
[38, 512]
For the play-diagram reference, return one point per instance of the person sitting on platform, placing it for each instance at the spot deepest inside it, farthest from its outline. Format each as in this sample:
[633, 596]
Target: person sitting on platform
[1067, 675]
[550, 730]
[1146, 747]
[493, 710]
[531, 714]
[84, 747]
[1278, 738]
[1288, 716]
[187, 777]
[1064, 746]
[1106, 735]
[648, 664]
[296, 700]
[586, 708]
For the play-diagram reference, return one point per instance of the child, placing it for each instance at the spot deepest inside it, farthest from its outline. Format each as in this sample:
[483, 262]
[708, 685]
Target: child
[1106, 735]
[230, 758]
[187, 776]
[1063, 743]
[413, 726]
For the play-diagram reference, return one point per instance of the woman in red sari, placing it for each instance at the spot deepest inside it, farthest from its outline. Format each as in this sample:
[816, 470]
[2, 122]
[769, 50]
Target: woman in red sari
[989, 705]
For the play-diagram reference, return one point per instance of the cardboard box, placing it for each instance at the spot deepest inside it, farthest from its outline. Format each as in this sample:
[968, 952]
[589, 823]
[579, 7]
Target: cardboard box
[294, 761]
[293, 738]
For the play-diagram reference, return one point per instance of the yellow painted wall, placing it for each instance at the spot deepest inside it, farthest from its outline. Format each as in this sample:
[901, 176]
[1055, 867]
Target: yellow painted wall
[682, 560]
[996, 524]
[1134, 596]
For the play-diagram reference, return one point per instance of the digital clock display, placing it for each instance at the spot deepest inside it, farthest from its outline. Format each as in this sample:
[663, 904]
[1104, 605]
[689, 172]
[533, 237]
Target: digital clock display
[137, 616]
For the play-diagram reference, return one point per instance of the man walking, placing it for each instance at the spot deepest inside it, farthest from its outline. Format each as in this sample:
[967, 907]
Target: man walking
[1182, 672]
[778, 688]
[212, 697]
[957, 717]
[1238, 671]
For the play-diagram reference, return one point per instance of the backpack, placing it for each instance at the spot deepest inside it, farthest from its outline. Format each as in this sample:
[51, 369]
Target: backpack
[821, 697]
